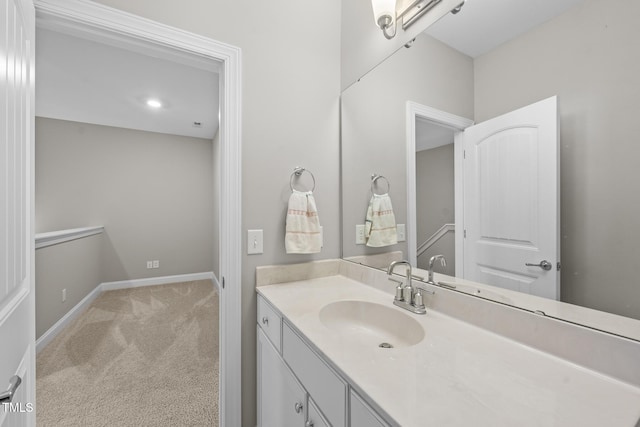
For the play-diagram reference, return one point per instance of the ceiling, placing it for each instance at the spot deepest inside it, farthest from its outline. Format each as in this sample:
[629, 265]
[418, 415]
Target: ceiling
[483, 25]
[99, 81]
[431, 135]
[108, 83]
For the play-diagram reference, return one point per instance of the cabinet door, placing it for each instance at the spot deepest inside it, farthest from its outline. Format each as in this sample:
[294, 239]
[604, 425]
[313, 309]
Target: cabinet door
[314, 419]
[281, 398]
[362, 415]
[328, 389]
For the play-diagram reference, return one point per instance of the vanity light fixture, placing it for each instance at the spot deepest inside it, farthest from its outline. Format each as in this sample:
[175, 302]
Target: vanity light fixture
[386, 16]
[154, 103]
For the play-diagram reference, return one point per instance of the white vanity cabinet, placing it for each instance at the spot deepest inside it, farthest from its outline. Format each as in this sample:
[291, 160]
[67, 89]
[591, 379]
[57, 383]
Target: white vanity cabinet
[281, 399]
[361, 414]
[296, 386]
[314, 417]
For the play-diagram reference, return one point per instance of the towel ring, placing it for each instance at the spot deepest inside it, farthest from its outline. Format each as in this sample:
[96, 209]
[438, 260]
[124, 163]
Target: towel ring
[374, 178]
[297, 172]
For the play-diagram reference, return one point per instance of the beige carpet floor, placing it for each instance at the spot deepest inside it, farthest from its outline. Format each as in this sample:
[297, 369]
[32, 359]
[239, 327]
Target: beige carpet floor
[136, 357]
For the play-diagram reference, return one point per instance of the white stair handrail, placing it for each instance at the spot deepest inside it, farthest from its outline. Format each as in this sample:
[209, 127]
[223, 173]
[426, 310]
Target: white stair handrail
[435, 237]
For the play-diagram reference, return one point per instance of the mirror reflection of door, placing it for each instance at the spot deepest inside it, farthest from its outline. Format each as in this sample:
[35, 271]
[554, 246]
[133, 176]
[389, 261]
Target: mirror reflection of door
[507, 208]
[511, 201]
[435, 194]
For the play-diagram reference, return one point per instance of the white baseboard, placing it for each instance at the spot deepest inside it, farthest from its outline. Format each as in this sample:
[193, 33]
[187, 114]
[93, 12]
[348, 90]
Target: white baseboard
[216, 283]
[71, 315]
[151, 281]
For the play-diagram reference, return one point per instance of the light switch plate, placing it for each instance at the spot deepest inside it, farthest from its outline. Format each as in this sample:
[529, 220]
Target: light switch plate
[402, 232]
[254, 242]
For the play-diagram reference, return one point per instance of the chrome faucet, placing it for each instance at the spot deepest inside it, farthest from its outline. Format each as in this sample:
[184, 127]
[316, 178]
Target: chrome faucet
[433, 259]
[406, 297]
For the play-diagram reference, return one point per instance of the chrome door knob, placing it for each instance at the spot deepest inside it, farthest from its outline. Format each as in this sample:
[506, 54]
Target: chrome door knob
[544, 264]
[298, 407]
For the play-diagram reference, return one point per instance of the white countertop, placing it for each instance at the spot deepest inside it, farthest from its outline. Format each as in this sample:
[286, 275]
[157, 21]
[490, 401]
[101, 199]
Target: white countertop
[459, 374]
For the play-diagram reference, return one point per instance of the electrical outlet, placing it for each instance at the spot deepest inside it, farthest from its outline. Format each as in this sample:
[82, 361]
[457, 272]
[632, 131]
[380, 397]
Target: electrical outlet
[156, 263]
[402, 232]
[360, 234]
[64, 294]
[149, 264]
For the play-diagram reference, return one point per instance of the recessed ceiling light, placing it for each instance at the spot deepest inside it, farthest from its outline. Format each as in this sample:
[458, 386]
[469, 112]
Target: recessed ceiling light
[154, 103]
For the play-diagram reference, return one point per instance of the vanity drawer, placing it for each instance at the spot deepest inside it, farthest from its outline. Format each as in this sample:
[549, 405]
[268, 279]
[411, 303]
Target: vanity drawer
[325, 387]
[270, 322]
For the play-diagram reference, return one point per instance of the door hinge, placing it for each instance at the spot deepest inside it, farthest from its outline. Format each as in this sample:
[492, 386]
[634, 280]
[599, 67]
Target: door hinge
[464, 234]
[558, 266]
[464, 154]
[222, 282]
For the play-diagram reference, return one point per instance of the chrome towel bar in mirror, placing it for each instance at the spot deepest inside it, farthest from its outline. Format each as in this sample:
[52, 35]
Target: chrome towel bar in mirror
[374, 178]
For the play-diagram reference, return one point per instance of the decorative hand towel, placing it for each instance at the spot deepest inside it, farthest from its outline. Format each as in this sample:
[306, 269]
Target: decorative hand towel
[303, 225]
[380, 224]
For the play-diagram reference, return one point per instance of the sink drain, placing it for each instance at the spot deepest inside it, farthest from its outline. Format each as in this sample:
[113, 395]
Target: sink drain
[385, 345]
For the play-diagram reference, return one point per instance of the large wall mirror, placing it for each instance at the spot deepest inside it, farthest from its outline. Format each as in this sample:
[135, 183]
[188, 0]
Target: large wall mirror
[586, 57]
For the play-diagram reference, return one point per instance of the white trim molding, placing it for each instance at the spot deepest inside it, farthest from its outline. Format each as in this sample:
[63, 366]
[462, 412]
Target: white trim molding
[96, 20]
[51, 238]
[152, 281]
[458, 124]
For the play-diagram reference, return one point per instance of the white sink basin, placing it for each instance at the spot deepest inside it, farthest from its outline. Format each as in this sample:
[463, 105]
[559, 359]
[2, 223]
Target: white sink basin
[372, 324]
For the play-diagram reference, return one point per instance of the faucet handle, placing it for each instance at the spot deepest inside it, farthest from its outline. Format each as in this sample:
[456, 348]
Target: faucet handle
[425, 290]
[398, 289]
[417, 299]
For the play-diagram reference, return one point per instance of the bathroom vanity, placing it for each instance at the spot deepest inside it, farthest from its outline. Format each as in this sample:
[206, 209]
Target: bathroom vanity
[333, 350]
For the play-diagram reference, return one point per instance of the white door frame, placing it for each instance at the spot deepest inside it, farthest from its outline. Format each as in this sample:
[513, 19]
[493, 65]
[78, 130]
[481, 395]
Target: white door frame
[458, 124]
[87, 16]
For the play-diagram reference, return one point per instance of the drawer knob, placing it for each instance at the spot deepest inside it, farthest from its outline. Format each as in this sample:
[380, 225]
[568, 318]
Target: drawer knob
[265, 320]
[309, 424]
[298, 407]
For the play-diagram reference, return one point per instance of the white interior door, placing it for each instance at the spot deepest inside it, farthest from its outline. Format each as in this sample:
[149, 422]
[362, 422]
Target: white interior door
[511, 201]
[17, 315]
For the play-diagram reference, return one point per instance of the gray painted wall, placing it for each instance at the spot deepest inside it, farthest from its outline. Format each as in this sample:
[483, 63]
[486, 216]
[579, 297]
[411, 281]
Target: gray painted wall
[374, 125]
[74, 266]
[152, 192]
[589, 57]
[290, 117]
[435, 204]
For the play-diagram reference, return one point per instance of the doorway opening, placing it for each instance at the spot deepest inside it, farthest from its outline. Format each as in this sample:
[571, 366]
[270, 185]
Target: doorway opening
[97, 21]
[434, 154]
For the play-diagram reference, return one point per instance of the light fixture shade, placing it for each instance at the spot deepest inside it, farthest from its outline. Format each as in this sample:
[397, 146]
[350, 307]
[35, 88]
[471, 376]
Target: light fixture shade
[383, 8]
